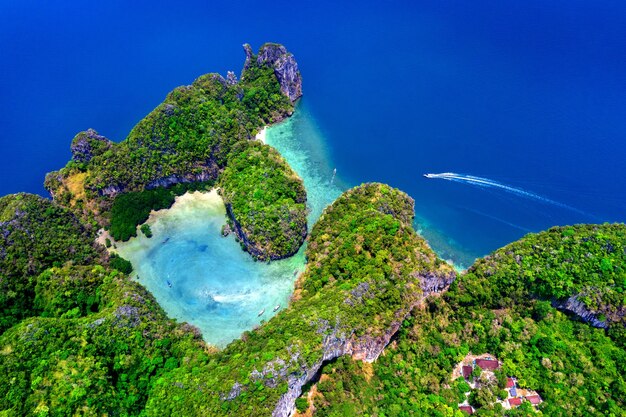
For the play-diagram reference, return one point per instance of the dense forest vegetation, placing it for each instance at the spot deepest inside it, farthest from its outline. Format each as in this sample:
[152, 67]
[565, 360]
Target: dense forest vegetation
[35, 234]
[190, 138]
[97, 344]
[265, 200]
[497, 308]
[87, 340]
[365, 268]
[133, 208]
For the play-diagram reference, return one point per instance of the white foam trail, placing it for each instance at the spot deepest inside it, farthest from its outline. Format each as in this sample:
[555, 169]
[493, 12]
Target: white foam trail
[487, 183]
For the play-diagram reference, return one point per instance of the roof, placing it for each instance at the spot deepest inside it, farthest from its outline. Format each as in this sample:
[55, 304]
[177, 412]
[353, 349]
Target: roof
[510, 383]
[467, 372]
[534, 399]
[467, 408]
[513, 392]
[514, 402]
[487, 364]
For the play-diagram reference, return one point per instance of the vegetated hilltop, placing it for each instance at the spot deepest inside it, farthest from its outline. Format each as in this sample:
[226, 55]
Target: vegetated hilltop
[92, 342]
[96, 345]
[189, 139]
[36, 234]
[580, 269]
[367, 268]
[266, 198]
[504, 305]
[76, 336]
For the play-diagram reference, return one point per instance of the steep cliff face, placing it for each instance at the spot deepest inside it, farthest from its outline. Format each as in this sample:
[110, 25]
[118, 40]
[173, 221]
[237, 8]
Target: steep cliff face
[365, 348]
[88, 144]
[602, 316]
[579, 269]
[574, 306]
[284, 64]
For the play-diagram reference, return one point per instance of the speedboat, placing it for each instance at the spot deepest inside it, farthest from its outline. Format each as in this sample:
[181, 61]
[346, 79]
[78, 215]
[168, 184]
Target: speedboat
[169, 284]
[277, 307]
[429, 175]
[261, 313]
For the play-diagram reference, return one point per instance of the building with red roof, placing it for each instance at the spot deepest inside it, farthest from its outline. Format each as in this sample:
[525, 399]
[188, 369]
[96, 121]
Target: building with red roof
[534, 399]
[467, 408]
[487, 364]
[510, 383]
[467, 372]
[515, 402]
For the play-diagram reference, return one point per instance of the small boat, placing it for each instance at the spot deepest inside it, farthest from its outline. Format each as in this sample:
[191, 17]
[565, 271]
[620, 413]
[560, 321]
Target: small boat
[295, 272]
[165, 241]
[169, 284]
[277, 307]
[261, 313]
[429, 175]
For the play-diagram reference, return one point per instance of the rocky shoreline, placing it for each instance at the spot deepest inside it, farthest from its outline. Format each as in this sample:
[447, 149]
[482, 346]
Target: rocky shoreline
[100, 170]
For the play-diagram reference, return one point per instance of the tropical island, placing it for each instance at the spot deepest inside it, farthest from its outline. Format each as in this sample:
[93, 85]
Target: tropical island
[377, 324]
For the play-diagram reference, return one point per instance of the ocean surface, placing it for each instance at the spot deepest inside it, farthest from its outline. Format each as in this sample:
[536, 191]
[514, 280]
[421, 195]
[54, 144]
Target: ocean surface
[521, 104]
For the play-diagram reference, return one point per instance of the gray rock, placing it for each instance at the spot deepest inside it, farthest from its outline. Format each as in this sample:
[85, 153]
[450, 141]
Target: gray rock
[284, 64]
[231, 78]
[573, 305]
[366, 348]
[88, 144]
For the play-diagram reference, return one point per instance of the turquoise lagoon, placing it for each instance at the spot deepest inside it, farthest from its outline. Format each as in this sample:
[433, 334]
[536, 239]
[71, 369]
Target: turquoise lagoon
[205, 279]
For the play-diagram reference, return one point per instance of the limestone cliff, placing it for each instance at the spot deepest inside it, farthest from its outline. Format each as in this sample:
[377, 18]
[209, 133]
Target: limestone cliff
[365, 348]
[603, 316]
[284, 65]
[88, 144]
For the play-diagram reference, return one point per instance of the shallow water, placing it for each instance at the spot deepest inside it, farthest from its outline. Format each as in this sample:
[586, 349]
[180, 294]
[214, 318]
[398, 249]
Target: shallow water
[214, 284]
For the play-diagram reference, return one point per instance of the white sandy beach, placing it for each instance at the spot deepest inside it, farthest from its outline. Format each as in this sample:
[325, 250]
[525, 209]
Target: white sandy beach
[262, 134]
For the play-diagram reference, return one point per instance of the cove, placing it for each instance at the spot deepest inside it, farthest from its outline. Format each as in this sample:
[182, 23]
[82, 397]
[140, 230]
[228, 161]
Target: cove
[205, 279]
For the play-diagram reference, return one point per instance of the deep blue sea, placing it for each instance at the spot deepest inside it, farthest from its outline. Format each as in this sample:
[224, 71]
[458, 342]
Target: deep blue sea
[529, 96]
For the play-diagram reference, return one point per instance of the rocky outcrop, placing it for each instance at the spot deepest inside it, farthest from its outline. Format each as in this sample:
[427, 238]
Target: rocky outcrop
[366, 348]
[602, 317]
[241, 235]
[231, 78]
[432, 283]
[574, 306]
[88, 144]
[207, 173]
[256, 251]
[284, 64]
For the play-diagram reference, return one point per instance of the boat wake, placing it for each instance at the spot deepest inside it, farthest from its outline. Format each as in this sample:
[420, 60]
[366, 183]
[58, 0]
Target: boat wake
[487, 183]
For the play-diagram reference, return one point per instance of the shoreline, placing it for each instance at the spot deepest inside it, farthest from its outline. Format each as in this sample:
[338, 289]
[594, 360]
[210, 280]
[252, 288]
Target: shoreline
[261, 136]
[211, 197]
[190, 198]
[215, 286]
